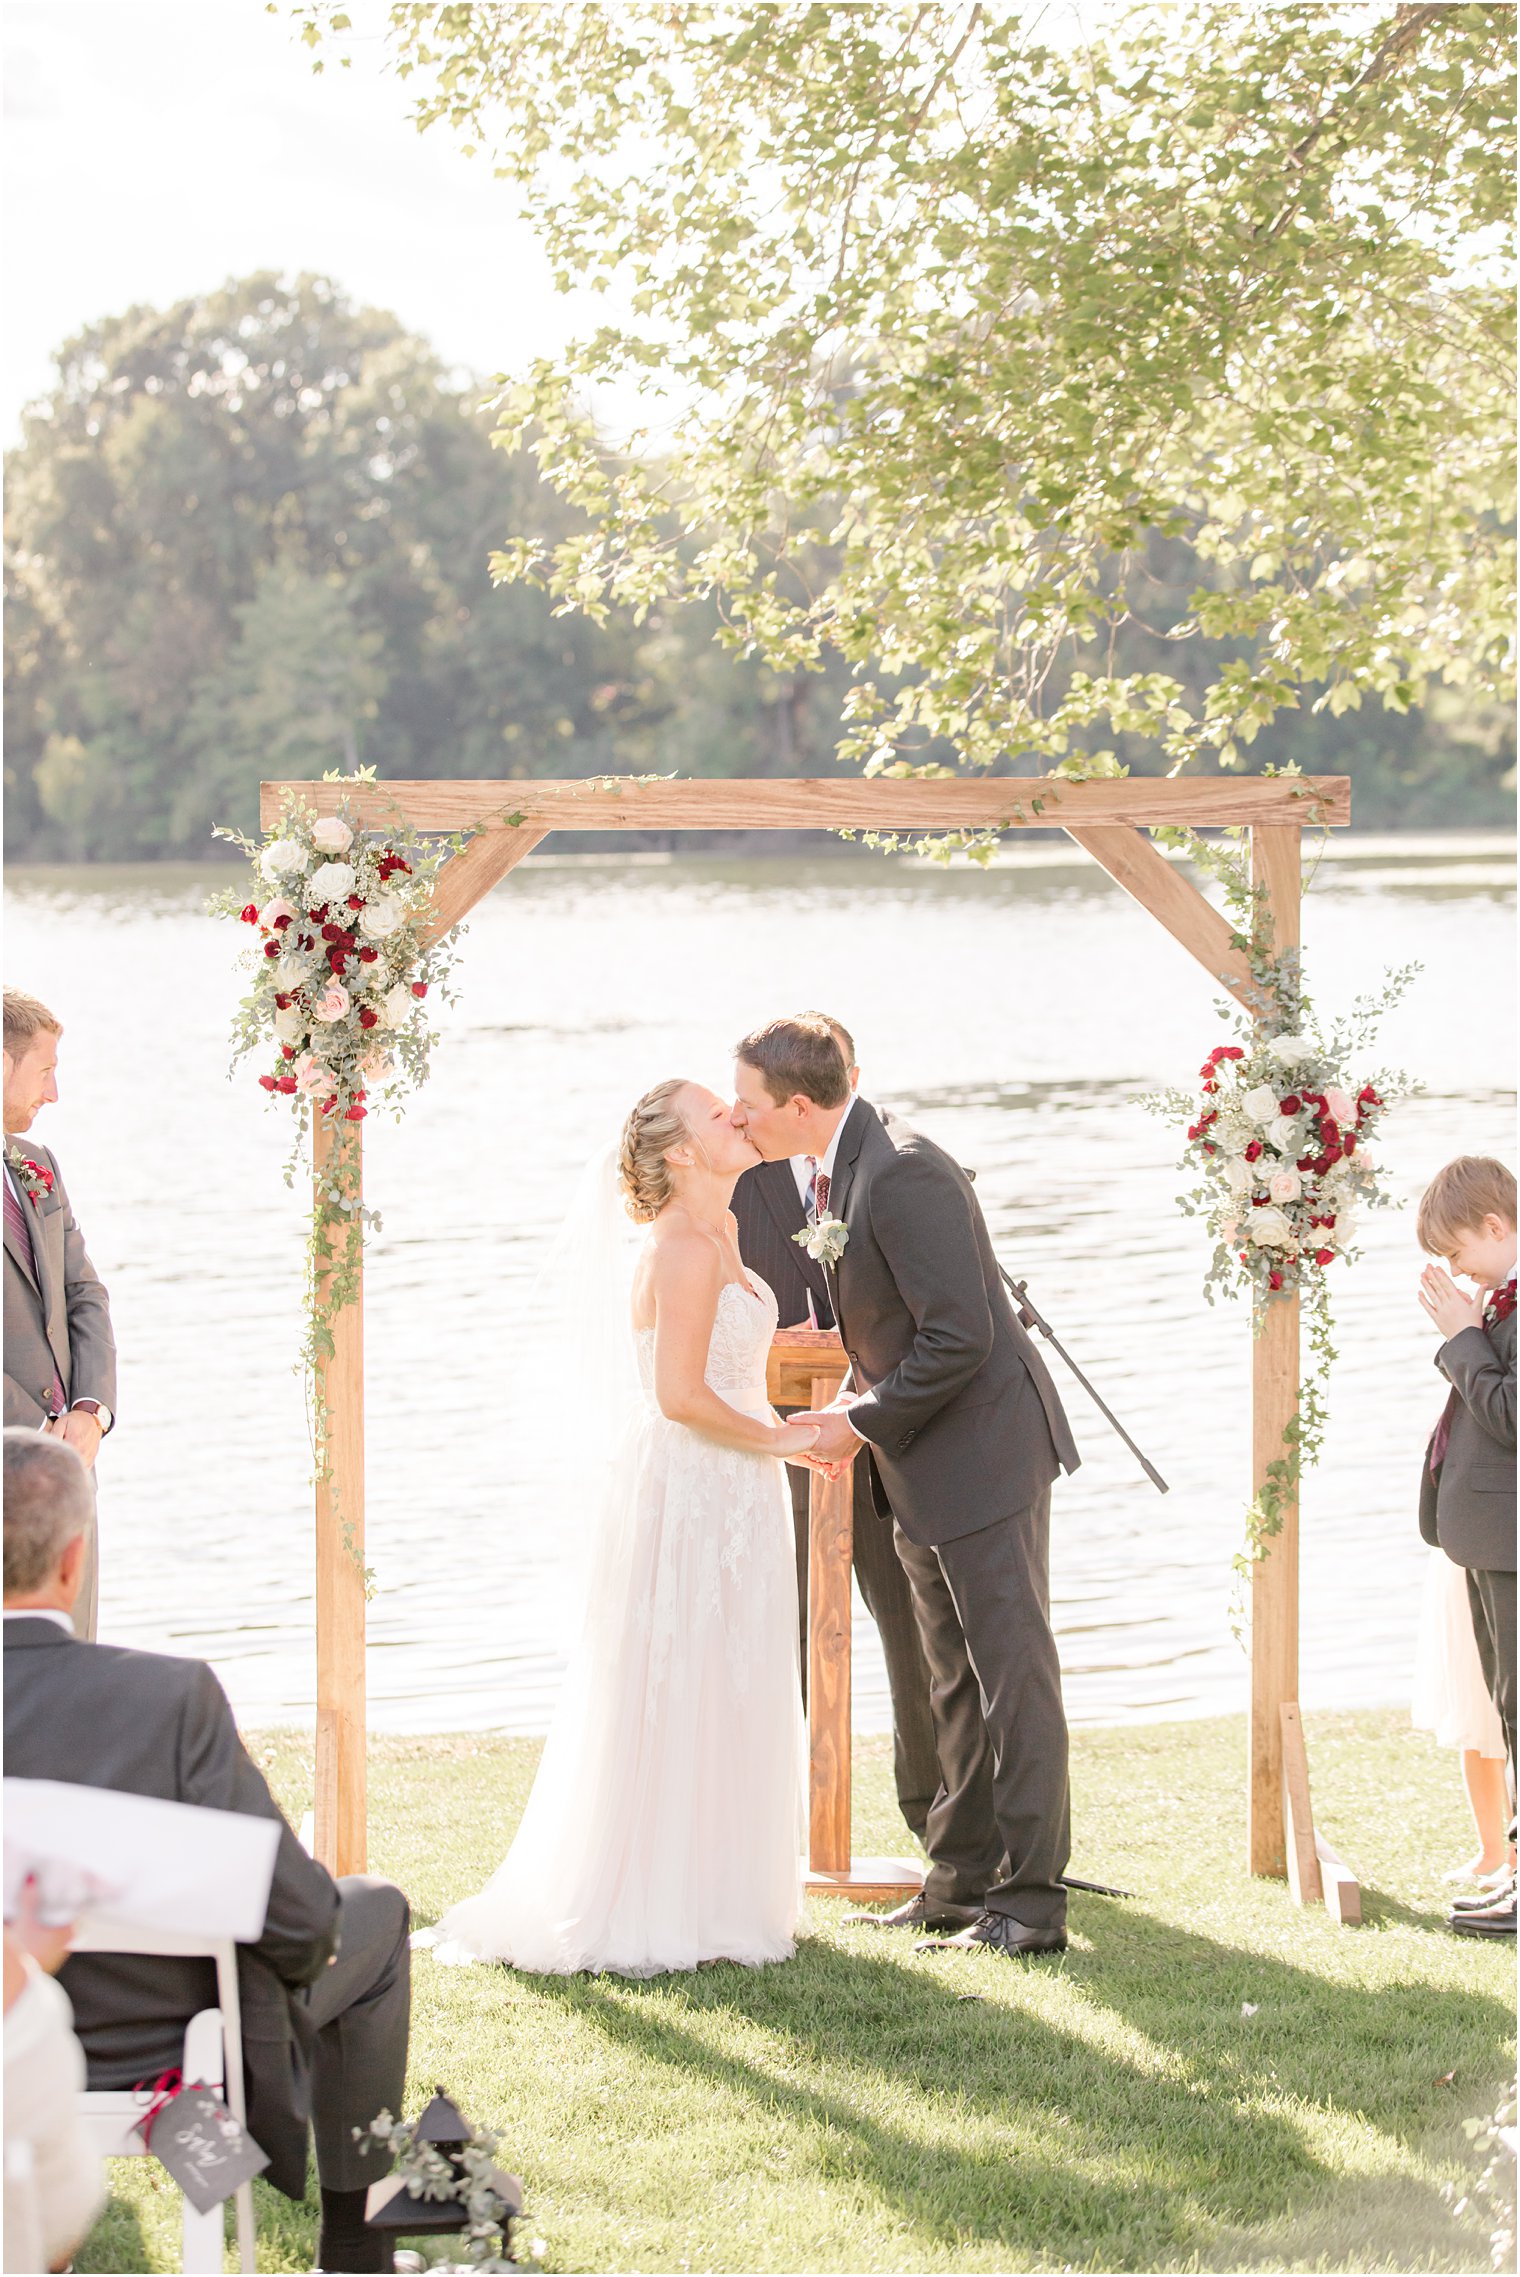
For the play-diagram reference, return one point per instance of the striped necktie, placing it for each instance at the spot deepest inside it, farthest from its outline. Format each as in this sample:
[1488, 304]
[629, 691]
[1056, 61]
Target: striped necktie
[16, 1219]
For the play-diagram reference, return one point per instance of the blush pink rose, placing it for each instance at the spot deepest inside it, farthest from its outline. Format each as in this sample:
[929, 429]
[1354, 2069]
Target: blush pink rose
[1285, 1186]
[1342, 1108]
[311, 1075]
[332, 1003]
[273, 911]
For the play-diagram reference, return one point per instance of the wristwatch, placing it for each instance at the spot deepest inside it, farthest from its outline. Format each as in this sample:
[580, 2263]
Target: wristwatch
[97, 1408]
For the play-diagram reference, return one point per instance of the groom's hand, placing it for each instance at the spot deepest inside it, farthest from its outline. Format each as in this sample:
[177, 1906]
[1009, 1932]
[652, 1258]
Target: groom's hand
[837, 1441]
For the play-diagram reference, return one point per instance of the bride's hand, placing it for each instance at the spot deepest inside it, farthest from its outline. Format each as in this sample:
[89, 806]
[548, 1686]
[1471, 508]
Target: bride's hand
[792, 1440]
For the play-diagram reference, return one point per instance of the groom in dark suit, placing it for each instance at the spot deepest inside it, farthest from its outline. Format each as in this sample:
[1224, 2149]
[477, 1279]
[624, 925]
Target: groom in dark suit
[964, 1434]
[770, 1204]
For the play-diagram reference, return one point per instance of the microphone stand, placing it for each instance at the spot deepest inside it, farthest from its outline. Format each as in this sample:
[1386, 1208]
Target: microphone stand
[1031, 1316]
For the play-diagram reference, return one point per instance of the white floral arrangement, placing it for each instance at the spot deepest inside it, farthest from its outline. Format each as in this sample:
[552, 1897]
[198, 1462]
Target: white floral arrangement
[824, 1239]
[1284, 1144]
[339, 957]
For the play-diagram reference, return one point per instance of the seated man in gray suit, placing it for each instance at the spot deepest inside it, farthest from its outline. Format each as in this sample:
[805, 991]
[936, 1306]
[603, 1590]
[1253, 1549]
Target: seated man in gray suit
[326, 1991]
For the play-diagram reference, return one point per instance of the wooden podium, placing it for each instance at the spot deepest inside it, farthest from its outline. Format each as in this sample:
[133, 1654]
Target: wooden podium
[807, 1366]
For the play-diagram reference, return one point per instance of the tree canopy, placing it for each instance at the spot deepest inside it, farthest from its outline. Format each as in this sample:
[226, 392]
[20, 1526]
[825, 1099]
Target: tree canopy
[975, 332]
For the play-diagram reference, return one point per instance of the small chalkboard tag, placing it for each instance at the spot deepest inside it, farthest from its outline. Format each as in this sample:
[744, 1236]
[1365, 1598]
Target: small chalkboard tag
[208, 2151]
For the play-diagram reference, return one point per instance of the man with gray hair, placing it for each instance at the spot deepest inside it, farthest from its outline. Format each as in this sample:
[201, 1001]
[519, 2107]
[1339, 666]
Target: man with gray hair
[60, 1354]
[326, 1991]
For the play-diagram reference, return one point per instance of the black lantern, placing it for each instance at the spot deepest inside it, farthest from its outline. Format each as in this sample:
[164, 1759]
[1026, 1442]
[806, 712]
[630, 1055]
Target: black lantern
[395, 2205]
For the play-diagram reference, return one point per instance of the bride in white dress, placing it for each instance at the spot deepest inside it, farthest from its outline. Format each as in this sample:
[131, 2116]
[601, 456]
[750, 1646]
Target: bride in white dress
[665, 1826]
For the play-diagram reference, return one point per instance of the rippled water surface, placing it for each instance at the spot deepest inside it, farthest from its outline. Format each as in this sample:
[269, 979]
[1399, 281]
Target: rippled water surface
[1019, 1014]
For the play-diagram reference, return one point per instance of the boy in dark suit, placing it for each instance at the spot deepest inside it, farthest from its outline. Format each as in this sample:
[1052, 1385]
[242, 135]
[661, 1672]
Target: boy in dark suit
[771, 1208]
[1467, 1481]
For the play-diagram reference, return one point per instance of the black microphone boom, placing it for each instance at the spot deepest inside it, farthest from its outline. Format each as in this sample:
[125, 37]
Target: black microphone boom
[1032, 1317]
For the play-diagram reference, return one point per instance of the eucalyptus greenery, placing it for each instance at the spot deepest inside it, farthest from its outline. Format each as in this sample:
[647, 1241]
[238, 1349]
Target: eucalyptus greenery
[956, 311]
[472, 2182]
[1280, 1041]
[340, 961]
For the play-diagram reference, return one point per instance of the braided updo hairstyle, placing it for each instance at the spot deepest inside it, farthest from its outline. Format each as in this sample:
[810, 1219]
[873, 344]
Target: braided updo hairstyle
[655, 1124]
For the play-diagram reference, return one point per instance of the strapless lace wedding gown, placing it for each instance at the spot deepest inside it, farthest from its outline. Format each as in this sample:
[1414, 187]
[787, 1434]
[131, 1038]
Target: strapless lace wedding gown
[666, 1822]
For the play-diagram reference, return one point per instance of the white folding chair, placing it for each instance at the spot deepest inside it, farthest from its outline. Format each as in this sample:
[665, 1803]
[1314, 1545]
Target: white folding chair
[213, 2054]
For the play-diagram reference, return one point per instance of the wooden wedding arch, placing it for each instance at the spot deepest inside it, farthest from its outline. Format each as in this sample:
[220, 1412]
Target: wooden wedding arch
[1109, 821]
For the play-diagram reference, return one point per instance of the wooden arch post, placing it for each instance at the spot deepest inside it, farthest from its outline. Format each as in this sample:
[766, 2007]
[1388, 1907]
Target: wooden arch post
[1109, 821]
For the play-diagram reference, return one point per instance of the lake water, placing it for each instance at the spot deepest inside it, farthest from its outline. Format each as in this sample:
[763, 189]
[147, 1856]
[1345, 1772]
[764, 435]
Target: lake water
[1020, 1015]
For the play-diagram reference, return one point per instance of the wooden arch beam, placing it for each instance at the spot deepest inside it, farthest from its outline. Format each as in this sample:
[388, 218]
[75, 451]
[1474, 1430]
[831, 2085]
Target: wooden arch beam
[1174, 901]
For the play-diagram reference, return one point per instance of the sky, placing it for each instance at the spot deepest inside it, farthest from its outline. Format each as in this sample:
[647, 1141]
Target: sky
[155, 148]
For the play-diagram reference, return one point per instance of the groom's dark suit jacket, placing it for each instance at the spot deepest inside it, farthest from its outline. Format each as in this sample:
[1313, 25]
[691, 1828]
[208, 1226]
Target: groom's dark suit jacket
[97, 1715]
[964, 1423]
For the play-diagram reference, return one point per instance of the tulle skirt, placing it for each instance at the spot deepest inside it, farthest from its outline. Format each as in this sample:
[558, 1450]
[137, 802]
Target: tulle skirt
[1450, 1696]
[666, 1822]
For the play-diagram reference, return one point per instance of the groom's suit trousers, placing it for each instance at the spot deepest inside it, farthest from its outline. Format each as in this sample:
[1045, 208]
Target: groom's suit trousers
[999, 1831]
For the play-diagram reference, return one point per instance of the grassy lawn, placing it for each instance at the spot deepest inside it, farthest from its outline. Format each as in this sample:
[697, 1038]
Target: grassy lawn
[1208, 2080]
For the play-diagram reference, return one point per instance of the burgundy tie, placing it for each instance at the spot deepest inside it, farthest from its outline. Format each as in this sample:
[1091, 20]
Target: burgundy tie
[820, 1196]
[16, 1219]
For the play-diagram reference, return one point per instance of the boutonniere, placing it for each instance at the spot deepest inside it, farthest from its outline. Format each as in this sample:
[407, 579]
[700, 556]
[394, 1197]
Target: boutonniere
[34, 1178]
[1499, 1306]
[824, 1240]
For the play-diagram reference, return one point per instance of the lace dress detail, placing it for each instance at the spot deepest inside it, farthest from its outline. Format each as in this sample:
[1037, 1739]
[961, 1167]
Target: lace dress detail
[665, 1826]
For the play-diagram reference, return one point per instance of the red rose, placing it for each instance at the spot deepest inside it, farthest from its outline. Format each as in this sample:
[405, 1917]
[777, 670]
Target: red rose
[280, 924]
[306, 942]
[1253, 1151]
[1274, 1280]
[332, 932]
[1306, 1162]
[287, 1084]
[282, 1001]
[271, 948]
[367, 1017]
[1290, 1103]
[419, 988]
[266, 1082]
[1232, 1051]
[1367, 1096]
[1324, 1256]
[319, 916]
[356, 901]
[250, 915]
[1348, 1144]
[355, 1114]
[337, 958]
[288, 1051]
[369, 955]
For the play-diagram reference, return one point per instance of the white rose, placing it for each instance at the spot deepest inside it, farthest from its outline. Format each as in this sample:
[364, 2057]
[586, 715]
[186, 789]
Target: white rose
[1270, 1229]
[280, 858]
[331, 835]
[1285, 1186]
[379, 918]
[290, 1026]
[334, 881]
[1261, 1105]
[1237, 1174]
[289, 973]
[398, 1005]
[1290, 1051]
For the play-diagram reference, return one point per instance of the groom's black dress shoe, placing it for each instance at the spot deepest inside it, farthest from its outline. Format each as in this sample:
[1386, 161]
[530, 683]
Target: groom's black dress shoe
[918, 1913]
[1002, 1933]
[1485, 1921]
